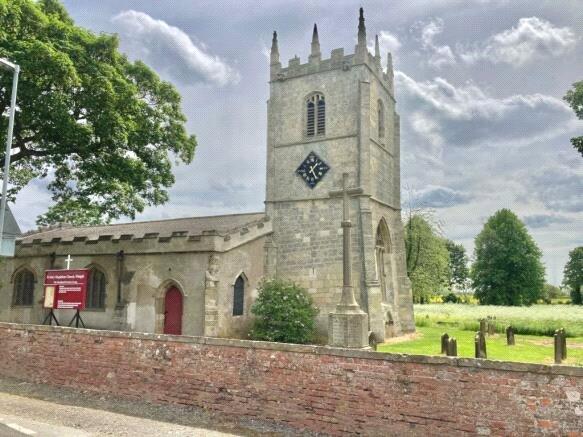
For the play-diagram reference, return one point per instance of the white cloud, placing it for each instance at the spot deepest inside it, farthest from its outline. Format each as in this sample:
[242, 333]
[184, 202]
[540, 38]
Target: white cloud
[388, 43]
[171, 51]
[533, 38]
[429, 129]
[436, 196]
[439, 55]
[469, 101]
[559, 188]
[465, 115]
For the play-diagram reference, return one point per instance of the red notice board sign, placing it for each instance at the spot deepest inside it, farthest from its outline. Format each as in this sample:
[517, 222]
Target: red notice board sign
[68, 287]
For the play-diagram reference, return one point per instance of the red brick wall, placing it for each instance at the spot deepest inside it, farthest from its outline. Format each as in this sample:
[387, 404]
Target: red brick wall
[322, 389]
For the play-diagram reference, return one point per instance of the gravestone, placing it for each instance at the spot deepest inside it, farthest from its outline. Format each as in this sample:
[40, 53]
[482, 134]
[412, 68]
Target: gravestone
[483, 326]
[451, 347]
[564, 341]
[560, 345]
[510, 336]
[491, 325]
[480, 345]
[444, 340]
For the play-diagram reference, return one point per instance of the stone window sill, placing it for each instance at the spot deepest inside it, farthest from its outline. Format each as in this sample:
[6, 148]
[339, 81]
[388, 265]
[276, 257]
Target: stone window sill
[314, 138]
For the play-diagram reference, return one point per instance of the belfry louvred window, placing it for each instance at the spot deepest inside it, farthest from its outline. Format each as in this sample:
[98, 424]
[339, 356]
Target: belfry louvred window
[315, 115]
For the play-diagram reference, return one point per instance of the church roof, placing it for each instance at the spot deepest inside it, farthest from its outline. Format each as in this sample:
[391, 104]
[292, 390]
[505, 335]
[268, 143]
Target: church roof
[183, 227]
[11, 228]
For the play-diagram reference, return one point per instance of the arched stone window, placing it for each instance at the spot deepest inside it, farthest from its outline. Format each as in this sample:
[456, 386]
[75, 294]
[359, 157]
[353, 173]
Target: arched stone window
[315, 115]
[96, 289]
[381, 119]
[23, 288]
[239, 296]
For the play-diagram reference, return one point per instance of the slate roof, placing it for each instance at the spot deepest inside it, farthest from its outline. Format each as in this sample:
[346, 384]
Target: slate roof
[220, 225]
[11, 228]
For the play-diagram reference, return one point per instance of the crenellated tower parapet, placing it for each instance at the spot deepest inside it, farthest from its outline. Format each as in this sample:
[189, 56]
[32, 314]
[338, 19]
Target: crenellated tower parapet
[337, 60]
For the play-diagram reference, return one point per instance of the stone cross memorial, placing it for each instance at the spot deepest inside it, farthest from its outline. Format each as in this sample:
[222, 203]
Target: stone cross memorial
[348, 324]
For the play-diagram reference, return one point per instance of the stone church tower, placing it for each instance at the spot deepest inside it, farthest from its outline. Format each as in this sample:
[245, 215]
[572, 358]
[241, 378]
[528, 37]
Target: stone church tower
[327, 117]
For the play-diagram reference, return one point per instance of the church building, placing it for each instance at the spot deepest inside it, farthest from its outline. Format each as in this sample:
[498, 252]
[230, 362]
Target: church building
[199, 276]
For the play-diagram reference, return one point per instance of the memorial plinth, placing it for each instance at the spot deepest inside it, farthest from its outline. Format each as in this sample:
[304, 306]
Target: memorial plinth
[347, 324]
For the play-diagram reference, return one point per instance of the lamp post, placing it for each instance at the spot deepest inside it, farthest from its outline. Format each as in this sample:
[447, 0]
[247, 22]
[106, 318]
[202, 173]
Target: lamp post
[7, 65]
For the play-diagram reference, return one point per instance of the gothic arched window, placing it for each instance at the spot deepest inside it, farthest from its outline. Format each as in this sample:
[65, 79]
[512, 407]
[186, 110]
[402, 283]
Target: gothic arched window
[315, 115]
[381, 119]
[96, 289]
[383, 258]
[23, 288]
[239, 296]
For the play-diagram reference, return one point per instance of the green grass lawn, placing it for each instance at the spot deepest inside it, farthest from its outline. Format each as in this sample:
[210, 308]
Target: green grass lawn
[528, 348]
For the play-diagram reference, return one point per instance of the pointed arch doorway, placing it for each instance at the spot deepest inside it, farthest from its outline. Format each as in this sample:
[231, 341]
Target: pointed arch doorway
[173, 311]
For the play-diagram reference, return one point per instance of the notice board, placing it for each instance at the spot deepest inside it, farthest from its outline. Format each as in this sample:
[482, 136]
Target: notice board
[68, 287]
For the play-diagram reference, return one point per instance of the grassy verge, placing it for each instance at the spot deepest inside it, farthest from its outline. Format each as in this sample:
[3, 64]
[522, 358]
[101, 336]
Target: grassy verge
[528, 348]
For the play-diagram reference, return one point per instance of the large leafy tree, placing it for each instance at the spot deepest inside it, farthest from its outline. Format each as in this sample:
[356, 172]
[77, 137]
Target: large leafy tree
[507, 268]
[573, 275]
[427, 258]
[102, 129]
[458, 264]
[575, 99]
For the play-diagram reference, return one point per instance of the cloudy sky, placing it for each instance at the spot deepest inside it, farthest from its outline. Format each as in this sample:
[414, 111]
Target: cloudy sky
[479, 88]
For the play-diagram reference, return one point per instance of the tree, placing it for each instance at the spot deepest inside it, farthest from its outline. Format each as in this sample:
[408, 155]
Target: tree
[102, 128]
[507, 268]
[427, 258]
[573, 275]
[550, 292]
[284, 312]
[575, 99]
[458, 264]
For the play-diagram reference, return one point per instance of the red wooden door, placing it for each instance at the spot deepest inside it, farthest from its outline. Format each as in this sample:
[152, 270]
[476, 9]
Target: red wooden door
[173, 312]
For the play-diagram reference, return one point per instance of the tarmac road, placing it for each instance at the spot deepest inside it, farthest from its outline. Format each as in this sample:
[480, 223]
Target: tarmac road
[22, 416]
[47, 410]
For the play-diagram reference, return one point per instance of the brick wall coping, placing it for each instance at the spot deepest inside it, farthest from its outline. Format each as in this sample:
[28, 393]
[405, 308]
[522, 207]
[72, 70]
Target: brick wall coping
[313, 349]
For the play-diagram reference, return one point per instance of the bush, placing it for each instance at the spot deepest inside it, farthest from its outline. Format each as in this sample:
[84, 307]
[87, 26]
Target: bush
[284, 312]
[451, 298]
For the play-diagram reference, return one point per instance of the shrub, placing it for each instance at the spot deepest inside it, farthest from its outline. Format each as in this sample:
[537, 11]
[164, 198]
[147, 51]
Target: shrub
[284, 312]
[451, 298]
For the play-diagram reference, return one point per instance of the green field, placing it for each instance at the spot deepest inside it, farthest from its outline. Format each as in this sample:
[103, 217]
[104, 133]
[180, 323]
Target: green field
[528, 348]
[534, 320]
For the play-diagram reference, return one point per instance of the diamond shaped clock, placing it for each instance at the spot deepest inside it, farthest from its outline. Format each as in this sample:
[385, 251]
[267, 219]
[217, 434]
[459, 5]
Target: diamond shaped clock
[313, 169]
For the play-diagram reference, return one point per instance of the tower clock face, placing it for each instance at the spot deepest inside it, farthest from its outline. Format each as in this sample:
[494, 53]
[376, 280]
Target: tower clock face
[313, 169]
